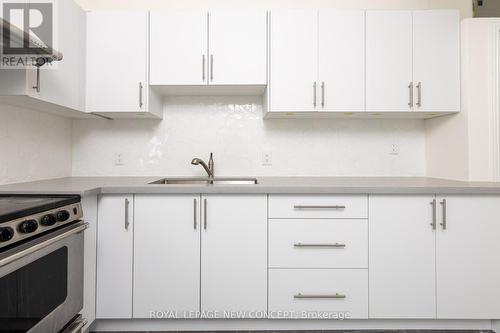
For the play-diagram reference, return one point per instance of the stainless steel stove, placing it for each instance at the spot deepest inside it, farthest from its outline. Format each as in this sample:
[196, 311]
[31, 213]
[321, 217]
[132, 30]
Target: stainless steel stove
[41, 263]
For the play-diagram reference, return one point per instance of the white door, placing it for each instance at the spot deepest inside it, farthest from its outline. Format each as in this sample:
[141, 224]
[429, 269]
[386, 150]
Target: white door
[402, 257]
[234, 253]
[468, 268]
[388, 61]
[117, 52]
[294, 61]
[167, 255]
[238, 45]
[436, 60]
[342, 60]
[61, 82]
[114, 256]
[178, 47]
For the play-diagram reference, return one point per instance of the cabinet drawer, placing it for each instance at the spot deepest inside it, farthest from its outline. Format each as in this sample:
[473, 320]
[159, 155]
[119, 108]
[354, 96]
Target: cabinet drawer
[309, 293]
[320, 243]
[318, 206]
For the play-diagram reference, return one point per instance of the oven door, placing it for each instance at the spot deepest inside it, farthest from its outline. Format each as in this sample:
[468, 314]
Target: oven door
[41, 282]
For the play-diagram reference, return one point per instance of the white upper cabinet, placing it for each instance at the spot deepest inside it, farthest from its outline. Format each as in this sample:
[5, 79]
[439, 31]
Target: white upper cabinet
[468, 269]
[166, 254]
[63, 84]
[413, 61]
[178, 47]
[237, 47]
[58, 87]
[402, 257]
[436, 60]
[114, 256]
[234, 253]
[341, 61]
[293, 61]
[388, 61]
[117, 64]
[191, 50]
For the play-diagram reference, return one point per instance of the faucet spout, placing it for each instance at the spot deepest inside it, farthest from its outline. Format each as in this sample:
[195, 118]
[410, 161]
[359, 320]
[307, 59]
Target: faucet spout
[199, 161]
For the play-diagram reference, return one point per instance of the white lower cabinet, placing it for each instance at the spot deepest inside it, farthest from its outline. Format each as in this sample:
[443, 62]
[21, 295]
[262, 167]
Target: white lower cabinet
[318, 293]
[467, 248]
[221, 255]
[402, 257]
[234, 254]
[434, 257]
[114, 256]
[166, 255]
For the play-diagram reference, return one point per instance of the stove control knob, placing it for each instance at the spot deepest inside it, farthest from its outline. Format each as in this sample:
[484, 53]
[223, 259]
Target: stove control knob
[6, 234]
[62, 215]
[28, 226]
[48, 220]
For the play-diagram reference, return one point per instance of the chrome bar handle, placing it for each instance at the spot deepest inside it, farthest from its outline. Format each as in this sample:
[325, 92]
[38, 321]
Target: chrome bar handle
[319, 296]
[319, 207]
[203, 67]
[205, 214]
[314, 94]
[37, 84]
[419, 94]
[443, 223]
[410, 89]
[434, 208]
[140, 95]
[211, 67]
[127, 223]
[195, 214]
[323, 94]
[325, 245]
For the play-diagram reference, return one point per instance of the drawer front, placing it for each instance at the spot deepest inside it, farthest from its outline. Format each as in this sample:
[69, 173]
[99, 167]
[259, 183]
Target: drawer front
[319, 293]
[318, 206]
[320, 243]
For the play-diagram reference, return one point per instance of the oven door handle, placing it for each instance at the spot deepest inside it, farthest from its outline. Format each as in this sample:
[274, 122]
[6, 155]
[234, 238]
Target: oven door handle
[76, 326]
[32, 249]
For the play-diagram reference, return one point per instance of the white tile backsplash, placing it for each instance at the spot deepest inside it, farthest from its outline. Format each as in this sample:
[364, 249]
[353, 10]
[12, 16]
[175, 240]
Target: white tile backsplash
[233, 128]
[33, 145]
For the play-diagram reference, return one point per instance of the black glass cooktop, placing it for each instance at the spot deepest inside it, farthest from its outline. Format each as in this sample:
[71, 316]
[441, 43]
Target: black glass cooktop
[17, 206]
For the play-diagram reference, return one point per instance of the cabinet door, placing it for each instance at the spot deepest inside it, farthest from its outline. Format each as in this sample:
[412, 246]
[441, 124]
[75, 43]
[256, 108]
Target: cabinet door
[117, 61]
[179, 47]
[402, 257]
[294, 61]
[61, 82]
[237, 41]
[342, 60]
[114, 256]
[468, 269]
[166, 255]
[436, 60]
[388, 61]
[234, 253]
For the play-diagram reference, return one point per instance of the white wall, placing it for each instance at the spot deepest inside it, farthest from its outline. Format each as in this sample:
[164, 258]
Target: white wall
[33, 145]
[232, 127]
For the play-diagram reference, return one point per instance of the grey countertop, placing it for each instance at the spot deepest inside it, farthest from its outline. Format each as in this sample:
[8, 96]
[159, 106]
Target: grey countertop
[307, 185]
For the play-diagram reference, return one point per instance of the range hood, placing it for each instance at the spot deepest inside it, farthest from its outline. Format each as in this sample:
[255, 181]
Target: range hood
[17, 37]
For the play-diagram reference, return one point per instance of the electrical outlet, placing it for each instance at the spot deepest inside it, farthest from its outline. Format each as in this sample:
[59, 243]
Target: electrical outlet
[394, 150]
[119, 159]
[267, 159]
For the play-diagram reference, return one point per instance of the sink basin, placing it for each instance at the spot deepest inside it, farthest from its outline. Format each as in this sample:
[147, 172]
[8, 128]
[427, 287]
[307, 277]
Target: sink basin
[206, 181]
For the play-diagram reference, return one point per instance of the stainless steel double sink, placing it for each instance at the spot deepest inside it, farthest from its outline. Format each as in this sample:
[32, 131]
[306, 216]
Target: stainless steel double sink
[206, 181]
